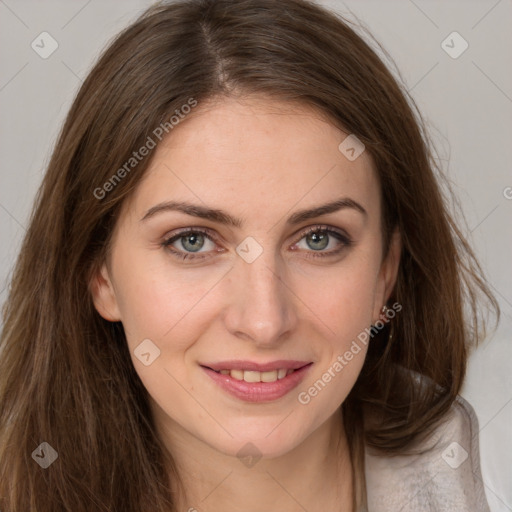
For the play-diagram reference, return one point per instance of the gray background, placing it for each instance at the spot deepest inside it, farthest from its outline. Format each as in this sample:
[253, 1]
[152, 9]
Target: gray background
[467, 102]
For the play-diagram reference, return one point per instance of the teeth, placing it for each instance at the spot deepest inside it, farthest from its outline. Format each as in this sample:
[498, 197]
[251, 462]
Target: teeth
[252, 376]
[237, 374]
[268, 376]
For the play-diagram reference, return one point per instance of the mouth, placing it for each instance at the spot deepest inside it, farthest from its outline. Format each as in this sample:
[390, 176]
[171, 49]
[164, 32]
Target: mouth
[255, 376]
[254, 382]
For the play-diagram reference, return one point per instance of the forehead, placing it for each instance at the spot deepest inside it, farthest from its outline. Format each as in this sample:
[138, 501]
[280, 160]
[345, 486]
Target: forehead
[256, 157]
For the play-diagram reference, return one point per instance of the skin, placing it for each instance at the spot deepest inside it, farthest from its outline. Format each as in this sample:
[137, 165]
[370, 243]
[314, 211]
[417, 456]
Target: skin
[261, 161]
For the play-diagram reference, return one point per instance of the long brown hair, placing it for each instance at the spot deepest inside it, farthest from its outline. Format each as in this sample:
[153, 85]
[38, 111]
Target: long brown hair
[66, 377]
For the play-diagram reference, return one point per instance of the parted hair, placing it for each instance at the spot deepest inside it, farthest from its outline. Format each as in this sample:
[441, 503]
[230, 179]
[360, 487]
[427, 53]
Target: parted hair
[66, 376]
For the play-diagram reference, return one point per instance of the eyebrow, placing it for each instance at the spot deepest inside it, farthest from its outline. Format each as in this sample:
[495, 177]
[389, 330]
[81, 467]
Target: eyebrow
[221, 217]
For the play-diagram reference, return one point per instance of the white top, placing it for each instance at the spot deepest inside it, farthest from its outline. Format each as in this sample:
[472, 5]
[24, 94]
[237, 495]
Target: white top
[445, 478]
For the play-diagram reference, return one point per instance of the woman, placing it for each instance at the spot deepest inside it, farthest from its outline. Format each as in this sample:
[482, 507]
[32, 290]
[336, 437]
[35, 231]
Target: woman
[241, 288]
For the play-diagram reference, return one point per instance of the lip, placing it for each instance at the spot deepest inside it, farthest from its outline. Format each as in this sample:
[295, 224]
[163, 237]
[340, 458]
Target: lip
[258, 391]
[256, 367]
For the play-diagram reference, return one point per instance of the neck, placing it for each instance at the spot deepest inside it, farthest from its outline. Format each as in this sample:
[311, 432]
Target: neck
[316, 475]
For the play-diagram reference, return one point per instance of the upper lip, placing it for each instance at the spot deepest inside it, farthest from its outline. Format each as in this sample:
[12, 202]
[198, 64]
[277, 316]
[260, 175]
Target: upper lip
[256, 367]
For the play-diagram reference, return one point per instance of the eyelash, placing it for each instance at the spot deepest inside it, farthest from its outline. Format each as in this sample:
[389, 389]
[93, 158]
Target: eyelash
[339, 235]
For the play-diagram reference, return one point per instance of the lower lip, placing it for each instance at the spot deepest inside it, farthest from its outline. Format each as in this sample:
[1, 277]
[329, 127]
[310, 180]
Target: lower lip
[259, 391]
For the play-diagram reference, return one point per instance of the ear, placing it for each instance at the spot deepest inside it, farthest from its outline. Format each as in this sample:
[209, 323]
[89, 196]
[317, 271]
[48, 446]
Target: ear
[388, 274]
[104, 296]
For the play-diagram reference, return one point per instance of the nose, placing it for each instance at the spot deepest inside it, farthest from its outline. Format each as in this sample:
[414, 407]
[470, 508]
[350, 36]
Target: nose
[262, 306]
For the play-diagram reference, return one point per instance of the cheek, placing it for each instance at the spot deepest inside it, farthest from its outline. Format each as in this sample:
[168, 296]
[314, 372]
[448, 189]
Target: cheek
[343, 298]
[343, 306]
[156, 299]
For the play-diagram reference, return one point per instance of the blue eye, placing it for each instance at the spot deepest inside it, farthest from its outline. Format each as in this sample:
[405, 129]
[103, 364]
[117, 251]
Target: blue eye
[189, 242]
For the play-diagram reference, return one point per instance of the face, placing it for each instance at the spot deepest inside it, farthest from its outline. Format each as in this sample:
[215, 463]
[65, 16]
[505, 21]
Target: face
[236, 292]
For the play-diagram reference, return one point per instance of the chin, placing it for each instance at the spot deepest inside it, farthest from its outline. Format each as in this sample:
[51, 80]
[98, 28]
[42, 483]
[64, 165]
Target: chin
[245, 447]
[268, 438]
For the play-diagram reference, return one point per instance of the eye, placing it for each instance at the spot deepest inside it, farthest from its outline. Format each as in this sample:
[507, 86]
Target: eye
[192, 241]
[319, 238]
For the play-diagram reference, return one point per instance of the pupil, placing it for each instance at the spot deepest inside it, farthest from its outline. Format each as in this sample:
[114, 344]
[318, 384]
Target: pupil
[194, 241]
[321, 238]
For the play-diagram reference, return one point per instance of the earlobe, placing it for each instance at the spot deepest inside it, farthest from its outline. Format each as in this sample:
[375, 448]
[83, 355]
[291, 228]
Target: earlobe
[103, 295]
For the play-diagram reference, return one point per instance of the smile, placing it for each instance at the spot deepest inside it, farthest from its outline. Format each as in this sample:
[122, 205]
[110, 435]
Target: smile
[254, 376]
[252, 382]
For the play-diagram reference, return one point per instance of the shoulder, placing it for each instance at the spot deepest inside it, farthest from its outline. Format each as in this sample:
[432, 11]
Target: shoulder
[443, 474]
